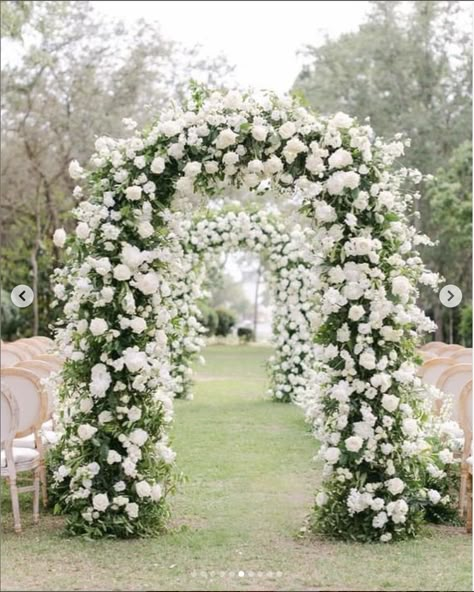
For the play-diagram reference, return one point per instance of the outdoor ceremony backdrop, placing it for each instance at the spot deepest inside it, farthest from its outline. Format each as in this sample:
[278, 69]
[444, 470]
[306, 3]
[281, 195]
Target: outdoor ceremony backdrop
[75, 75]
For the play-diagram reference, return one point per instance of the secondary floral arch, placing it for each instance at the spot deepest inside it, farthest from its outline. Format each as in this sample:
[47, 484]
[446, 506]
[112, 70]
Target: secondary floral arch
[114, 466]
[292, 275]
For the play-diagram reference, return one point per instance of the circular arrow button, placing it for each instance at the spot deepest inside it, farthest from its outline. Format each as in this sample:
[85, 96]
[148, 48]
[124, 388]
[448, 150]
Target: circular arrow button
[450, 296]
[22, 296]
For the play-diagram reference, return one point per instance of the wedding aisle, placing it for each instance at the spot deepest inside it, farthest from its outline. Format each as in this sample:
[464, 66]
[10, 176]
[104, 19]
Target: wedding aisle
[237, 517]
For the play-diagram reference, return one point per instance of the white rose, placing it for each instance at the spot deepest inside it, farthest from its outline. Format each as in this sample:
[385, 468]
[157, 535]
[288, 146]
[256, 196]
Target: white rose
[134, 413]
[287, 130]
[120, 486]
[122, 273]
[332, 455]
[148, 283]
[321, 499]
[211, 167]
[335, 184]
[133, 193]
[273, 165]
[59, 237]
[86, 431]
[354, 443]
[390, 402]
[134, 360]
[104, 417]
[367, 360]
[324, 212]
[145, 229]
[113, 457]
[157, 165]
[380, 520]
[192, 169]
[340, 159]
[395, 486]
[401, 287]
[82, 230]
[138, 325]
[100, 502]
[143, 489]
[434, 496]
[156, 492]
[356, 312]
[225, 139]
[341, 120]
[132, 510]
[446, 456]
[98, 327]
[259, 133]
[410, 427]
[75, 170]
[138, 437]
[170, 128]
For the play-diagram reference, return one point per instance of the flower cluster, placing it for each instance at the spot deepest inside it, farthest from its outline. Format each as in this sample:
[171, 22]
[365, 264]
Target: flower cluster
[292, 276]
[122, 322]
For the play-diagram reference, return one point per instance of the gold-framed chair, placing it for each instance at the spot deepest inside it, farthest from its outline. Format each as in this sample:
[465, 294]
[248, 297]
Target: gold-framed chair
[14, 461]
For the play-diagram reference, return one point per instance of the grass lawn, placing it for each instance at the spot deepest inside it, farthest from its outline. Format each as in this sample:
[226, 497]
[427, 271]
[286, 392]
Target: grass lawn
[236, 520]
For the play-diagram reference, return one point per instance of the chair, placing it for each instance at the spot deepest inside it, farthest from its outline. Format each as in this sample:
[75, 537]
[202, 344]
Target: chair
[9, 349]
[462, 356]
[55, 361]
[432, 369]
[447, 350]
[42, 370]
[46, 340]
[33, 404]
[9, 356]
[465, 421]
[29, 347]
[43, 346]
[452, 381]
[432, 346]
[14, 460]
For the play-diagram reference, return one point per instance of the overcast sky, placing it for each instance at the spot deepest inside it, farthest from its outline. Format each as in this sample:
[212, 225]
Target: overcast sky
[260, 38]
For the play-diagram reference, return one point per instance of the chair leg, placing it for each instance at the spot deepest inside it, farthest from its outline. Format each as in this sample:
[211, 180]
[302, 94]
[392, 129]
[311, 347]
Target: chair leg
[44, 485]
[36, 494]
[15, 504]
[463, 493]
[469, 504]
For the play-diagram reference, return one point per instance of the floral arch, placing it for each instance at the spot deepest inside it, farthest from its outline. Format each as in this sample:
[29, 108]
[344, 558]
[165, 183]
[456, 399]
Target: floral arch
[113, 465]
[292, 274]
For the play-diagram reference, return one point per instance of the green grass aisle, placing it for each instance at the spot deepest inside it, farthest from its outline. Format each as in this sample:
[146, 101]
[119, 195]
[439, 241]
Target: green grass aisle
[250, 483]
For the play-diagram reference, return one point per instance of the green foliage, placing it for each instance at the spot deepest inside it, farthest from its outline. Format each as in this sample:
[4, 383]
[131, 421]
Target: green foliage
[10, 317]
[14, 14]
[226, 321]
[465, 325]
[245, 334]
[209, 318]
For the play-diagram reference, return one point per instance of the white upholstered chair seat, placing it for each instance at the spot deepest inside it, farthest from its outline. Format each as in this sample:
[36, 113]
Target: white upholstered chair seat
[21, 457]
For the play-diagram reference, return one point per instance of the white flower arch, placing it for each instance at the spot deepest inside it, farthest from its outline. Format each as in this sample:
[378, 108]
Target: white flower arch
[114, 466]
[293, 279]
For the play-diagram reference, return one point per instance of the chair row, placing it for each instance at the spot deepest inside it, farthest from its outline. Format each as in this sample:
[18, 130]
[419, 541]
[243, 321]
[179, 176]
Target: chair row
[24, 349]
[438, 349]
[28, 403]
[453, 377]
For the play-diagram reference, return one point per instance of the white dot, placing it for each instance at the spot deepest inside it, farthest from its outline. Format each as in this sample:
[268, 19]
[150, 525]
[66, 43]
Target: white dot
[241, 574]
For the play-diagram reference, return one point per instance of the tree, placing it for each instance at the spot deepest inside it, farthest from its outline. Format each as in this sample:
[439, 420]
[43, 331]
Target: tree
[80, 76]
[408, 70]
[451, 223]
[14, 14]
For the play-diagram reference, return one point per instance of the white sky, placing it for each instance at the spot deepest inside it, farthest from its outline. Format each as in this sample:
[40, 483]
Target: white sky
[260, 38]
